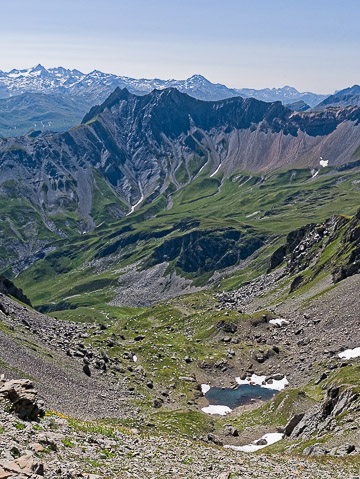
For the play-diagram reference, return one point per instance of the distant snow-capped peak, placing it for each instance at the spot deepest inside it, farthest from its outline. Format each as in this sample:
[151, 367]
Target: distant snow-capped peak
[57, 80]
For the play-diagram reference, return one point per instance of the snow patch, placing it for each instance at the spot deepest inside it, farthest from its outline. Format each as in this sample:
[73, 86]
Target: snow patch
[270, 438]
[279, 321]
[205, 388]
[217, 169]
[323, 162]
[252, 214]
[137, 204]
[277, 384]
[314, 173]
[350, 353]
[216, 409]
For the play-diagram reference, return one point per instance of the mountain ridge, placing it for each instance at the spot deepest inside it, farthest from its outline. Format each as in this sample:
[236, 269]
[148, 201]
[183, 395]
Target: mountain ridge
[71, 93]
[347, 97]
[138, 151]
[59, 79]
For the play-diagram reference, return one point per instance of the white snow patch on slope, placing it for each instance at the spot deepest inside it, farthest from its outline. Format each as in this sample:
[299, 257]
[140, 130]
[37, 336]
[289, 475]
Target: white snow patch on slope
[270, 438]
[137, 204]
[277, 384]
[216, 409]
[279, 321]
[350, 353]
[252, 214]
[323, 162]
[217, 169]
[205, 388]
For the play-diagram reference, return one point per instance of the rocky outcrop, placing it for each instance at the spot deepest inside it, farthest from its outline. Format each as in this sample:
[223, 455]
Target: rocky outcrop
[322, 418]
[22, 397]
[350, 250]
[203, 251]
[305, 246]
[8, 288]
[23, 467]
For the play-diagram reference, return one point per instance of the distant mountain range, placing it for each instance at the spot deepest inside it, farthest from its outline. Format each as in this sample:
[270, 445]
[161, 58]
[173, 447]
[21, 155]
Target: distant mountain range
[71, 93]
[347, 97]
[98, 85]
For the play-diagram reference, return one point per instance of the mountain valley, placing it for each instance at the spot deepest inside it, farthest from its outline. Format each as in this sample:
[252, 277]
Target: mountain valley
[166, 246]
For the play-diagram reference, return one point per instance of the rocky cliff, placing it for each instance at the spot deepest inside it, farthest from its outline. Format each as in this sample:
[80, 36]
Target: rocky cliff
[138, 145]
[132, 149]
[331, 246]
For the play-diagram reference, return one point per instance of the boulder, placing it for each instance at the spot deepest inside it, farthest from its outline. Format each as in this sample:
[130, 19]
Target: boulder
[86, 369]
[20, 393]
[158, 402]
[26, 465]
[261, 442]
[231, 431]
[215, 439]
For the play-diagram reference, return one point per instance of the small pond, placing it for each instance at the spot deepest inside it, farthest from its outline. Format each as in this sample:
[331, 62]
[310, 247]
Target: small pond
[240, 396]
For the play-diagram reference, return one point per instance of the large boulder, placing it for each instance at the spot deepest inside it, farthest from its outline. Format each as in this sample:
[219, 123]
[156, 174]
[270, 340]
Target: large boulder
[22, 396]
[24, 466]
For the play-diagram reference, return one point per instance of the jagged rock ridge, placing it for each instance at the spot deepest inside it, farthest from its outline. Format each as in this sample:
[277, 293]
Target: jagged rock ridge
[132, 149]
[138, 143]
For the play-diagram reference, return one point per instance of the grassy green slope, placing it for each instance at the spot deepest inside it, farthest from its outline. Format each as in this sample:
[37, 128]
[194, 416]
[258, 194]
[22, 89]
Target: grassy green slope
[270, 206]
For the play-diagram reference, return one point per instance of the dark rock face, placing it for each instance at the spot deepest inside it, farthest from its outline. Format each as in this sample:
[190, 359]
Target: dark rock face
[204, 251]
[294, 421]
[8, 288]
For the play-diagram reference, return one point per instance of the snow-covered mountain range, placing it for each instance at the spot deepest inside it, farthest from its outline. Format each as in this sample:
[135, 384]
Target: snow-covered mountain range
[57, 99]
[99, 85]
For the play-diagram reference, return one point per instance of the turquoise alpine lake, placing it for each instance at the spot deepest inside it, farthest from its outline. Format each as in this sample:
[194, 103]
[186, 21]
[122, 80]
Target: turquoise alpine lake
[243, 394]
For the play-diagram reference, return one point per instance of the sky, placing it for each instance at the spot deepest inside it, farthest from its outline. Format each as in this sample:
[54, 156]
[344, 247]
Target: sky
[311, 45]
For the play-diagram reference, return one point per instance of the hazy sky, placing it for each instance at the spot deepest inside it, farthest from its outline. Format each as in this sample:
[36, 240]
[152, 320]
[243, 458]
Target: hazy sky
[312, 45]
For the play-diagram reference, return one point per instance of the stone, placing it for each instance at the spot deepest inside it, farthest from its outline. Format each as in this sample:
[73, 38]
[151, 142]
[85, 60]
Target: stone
[5, 474]
[345, 449]
[86, 370]
[36, 447]
[22, 396]
[157, 403]
[294, 421]
[215, 439]
[26, 465]
[224, 475]
[231, 431]
[261, 442]
[321, 378]
[188, 379]
[105, 356]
